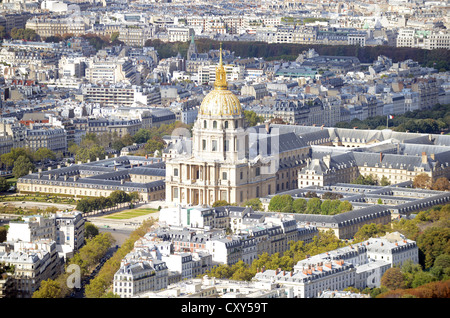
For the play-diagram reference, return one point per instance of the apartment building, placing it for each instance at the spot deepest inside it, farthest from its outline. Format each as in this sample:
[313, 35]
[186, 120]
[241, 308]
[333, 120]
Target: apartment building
[111, 70]
[425, 39]
[65, 228]
[33, 263]
[40, 136]
[140, 276]
[135, 35]
[46, 27]
[179, 34]
[358, 265]
[121, 95]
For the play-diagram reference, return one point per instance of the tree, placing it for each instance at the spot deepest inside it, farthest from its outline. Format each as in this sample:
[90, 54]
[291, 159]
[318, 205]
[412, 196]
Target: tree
[299, 205]
[43, 153]
[220, 203]
[422, 181]
[344, 206]
[3, 234]
[4, 186]
[331, 196]
[384, 181]
[91, 230]
[114, 36]
[49, 289]
[313, 206]
[441, 184]
[432, 243]
[153, 145]
[365, 180]
[255, 203]
[252, 118]
[281, 203]
[2, 32]
[8, 159]
[142, 135]
[119, 196]
[22, 166]
[392, 278]
[369, 230]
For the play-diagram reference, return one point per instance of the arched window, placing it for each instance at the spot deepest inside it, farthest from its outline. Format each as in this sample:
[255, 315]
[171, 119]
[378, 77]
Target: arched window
[204, 124]
[226, 124]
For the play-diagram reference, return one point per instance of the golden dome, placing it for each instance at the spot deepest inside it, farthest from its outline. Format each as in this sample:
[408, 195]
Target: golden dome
[220, 101]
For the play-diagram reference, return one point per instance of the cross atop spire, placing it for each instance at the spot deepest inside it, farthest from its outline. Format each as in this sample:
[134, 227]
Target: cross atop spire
[221, 75]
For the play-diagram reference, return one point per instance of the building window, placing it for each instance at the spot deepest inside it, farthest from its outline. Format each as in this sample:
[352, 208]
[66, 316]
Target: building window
[214, 145]
[224, 176]
[204, 144]
[226, 124]
[226, 145]
[258, 171]
[175, 193]
[214, 124]
[175, 172]
[204, 124]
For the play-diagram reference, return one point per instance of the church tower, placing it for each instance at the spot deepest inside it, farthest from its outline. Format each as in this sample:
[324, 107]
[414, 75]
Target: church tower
[218, 167]
[220, 122]
[192, 50]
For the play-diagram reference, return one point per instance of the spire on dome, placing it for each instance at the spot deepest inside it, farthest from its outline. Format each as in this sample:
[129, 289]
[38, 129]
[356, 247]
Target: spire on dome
[221, 75]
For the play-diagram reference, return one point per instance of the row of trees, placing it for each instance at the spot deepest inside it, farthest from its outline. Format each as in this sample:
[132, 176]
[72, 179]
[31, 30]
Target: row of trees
[86, 205]
[424, 181]
[371, 180]
[86, 258]
[324, 242]
[431, 121]
[19, 34]
[101, 285]
[285, 203]
[22, 160]
[437, 58]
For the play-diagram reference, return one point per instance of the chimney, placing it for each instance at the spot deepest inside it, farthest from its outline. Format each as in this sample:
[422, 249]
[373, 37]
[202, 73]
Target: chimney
[65, 177]
[424, 157]
[49, 168]
[49, 177]
[381, 156]
[267, 125]
[327, 160]
[39, 175]
[432, 156]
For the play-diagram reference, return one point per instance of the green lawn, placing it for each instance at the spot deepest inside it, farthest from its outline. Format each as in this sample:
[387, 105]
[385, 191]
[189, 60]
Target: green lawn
[129, 214]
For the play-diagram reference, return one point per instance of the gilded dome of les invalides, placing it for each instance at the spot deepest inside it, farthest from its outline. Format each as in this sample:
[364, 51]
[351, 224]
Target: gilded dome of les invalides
[220, 101]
